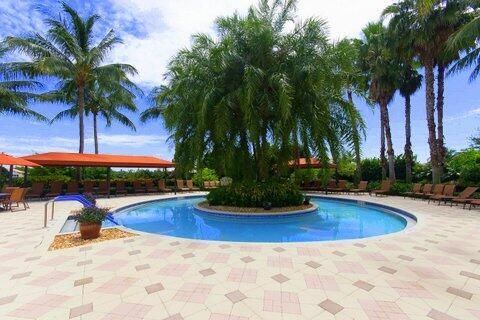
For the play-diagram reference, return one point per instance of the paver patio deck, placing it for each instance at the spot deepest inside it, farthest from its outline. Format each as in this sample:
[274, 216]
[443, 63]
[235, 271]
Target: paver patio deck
[431, 271]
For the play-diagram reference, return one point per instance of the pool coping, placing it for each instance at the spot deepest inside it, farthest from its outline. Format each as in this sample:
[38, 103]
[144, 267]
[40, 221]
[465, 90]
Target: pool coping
[393, 210]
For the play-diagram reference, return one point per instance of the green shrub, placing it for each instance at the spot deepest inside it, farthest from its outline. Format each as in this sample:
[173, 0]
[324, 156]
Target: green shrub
[255, 194]
[205, 174]
[466, 166]
[399, 188]
[91, 215]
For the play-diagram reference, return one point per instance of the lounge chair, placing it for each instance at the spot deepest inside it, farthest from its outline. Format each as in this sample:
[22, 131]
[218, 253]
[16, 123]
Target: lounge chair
[72, 187]
[437, 190]
[206, 185]
[340, 187]
[417, 187]
[190, 186]
[384, 188]
[361, 188]
[427, 188]
[150, 186]
[88, 187]
[137, 187]
[120, 188]
[474, 203]
[161, 186]
[17, 196]
[55, 189]
[37, 190]
[447, 194]
[464, 196]
[181, 186]
[103, 188]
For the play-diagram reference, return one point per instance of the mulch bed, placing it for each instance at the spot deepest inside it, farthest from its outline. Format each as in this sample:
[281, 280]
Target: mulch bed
[205, 205]
[63, 241]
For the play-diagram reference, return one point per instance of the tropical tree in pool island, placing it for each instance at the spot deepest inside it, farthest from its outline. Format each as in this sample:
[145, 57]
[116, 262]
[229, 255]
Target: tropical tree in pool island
[68, 53]
[258, 94]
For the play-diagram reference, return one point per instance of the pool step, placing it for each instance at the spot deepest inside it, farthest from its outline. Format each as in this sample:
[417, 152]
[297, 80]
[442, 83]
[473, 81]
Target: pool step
[70, 225]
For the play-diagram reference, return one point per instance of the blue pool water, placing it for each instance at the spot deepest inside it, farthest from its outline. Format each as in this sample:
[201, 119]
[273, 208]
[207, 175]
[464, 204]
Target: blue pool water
[334, 220]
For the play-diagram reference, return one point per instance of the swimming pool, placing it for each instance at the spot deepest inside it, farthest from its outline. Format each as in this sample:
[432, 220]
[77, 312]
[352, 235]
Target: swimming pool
[334, 220]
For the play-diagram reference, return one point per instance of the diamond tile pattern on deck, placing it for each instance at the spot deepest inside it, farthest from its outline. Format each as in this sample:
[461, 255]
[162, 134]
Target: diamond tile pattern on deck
[155, 277]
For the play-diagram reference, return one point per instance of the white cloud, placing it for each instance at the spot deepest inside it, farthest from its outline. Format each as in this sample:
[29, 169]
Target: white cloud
[167, 26]
[465, 115]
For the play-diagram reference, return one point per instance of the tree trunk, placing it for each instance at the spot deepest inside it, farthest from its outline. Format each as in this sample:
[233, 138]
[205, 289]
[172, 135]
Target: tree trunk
[408, 142]
[440, 103]
[383, 162]
[388, 137]
[81, 109]
[95, 132]
[430, 110]
[358, 158]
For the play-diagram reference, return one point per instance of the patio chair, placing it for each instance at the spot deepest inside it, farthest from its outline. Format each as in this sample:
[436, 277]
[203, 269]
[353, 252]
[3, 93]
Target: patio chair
[332, 184]
[137, 187]
[162, 187]
[181, 186]
[361, 188]
[206, 185]
[190, 186]
[216, 184]
[384, 188]
[56, 189]
[417, 187]
[103, 188]
[437, 190]
[88, 186]
[150, 186]
[341, 187]
[17, 196]
[120, 188]
[72, 187]
[474, 203]
[427, 188]
[464, 196]
[37, 190]
[447, 194]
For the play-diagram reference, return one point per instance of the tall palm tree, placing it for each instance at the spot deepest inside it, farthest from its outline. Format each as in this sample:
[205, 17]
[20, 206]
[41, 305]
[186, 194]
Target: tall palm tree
[107, 99]
[67, 52]
[15, 94]
[428, 24]
[381, 67]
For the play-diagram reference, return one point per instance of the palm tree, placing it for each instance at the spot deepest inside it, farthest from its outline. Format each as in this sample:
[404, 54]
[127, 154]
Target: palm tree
[256, 95]
[428, 24]
[346, 55]
[67, 52]
[15, 94]
[381, 67]
[107, 99]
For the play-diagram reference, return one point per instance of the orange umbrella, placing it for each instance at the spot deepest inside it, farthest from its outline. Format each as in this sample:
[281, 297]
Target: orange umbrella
[5, 159]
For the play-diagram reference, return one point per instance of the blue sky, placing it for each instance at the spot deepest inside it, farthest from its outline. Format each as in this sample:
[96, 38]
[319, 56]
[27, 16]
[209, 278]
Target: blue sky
[154, 30]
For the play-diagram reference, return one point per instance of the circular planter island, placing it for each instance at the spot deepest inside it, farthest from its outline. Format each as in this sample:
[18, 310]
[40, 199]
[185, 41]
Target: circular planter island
[241, 211]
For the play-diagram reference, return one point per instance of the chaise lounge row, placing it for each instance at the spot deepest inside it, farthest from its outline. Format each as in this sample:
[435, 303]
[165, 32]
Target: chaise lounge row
[443, 193]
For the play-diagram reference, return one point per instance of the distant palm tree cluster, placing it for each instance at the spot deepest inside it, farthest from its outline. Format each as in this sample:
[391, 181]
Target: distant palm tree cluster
[261, 92]
[67, 53]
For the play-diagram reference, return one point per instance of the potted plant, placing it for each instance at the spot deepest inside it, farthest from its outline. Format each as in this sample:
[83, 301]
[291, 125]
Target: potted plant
[90, 220]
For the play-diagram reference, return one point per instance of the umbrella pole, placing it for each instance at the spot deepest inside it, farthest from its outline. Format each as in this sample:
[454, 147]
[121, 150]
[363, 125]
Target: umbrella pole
[10, 178]
[108, 182]
[25, 177]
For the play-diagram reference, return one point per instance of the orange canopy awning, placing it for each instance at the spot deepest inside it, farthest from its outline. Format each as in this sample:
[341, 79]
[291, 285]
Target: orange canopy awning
[8, 160]
[65, 159]
[303, 163]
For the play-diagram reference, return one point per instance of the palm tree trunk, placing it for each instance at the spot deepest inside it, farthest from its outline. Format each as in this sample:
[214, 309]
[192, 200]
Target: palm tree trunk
[440, 104]
[95, 132]
[388, 137]
[383, 162]
[408, 142]
[430, 110]
[358, 159]
[81, 108]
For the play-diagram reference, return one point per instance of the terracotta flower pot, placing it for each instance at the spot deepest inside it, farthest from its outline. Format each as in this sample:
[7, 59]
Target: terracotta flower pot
[90, 230]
